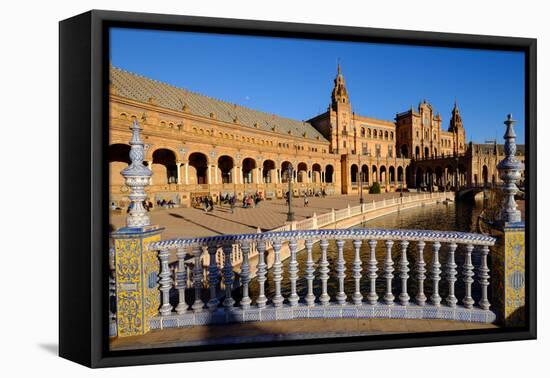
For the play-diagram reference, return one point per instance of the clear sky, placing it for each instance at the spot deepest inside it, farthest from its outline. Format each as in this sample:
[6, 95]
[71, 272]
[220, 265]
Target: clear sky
[294, 77]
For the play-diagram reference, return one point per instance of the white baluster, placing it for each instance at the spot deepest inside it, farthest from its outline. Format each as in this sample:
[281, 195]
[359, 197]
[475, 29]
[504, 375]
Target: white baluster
[372, 296]
[340, 269]
[277, 274]
[420, 273]
[324, 298]
[245, 274]
[310, 297]
[228, 302]
[357, 297]
[436, 274]
[484, 278]
[261, 274]
[197, 279]
[181, 281]
[451, 275]
[213, 277]
[403, 273]
[165, 282]
[388, 270]
[293, 273]
[468, 273]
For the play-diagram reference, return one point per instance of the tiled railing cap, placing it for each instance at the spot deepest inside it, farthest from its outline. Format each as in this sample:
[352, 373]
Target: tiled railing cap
[356, 233]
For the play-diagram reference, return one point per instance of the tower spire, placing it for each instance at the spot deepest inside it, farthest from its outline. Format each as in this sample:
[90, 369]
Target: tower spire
[339, 92]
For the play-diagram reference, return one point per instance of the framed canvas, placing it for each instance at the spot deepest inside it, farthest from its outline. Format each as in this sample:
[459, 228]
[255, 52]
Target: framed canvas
[234, 188]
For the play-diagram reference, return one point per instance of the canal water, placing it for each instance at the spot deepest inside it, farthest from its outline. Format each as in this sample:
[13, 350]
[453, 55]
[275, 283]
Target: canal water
[460, 216]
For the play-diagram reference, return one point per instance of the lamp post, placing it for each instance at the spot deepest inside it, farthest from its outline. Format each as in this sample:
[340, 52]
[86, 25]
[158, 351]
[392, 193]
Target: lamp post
[290, 214]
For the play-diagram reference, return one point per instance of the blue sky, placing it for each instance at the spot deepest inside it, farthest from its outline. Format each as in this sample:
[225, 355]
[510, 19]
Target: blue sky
[294, 77]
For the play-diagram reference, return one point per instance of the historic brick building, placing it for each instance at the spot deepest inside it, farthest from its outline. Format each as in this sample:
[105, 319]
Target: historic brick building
[197, 145]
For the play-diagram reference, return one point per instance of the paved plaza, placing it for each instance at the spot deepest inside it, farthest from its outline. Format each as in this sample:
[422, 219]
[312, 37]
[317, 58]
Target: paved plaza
[269, 214]
[288, 330]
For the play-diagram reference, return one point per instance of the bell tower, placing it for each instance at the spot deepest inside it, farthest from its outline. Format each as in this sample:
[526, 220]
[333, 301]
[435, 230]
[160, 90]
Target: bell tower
[341, 116]
[459, 134]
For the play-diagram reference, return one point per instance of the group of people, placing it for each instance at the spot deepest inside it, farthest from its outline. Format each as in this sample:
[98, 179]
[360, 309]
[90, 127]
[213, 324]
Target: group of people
[252, 200]
[163, 203]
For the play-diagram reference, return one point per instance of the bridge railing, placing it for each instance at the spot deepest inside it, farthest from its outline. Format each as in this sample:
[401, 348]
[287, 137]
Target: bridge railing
[215, 300]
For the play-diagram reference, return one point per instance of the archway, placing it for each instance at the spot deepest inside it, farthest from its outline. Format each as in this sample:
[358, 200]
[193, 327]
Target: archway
[316, 173]
[400, 175]
[268, 171]
[249, 165]
[329, 174]
[419, 178]
[439, 179]
[225, 166]
[284, 171]
[405, 151]
[391, 171]
[119, 158]
[426, 152]
[365, 173]
[485, 175]
[417, 152]
[354, 171]
[301, 173]
[383, 174]
[198, 168]
[374, 174]
[164, 167]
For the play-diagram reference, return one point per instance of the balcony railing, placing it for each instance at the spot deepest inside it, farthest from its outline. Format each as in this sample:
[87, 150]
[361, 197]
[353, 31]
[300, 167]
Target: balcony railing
[215, 299]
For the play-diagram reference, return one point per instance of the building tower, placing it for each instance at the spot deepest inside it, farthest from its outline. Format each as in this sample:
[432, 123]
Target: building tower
[341, 120]
[459, 134]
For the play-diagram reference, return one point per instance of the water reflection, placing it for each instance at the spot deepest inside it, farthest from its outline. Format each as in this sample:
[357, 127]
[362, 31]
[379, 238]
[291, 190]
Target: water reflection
[452, 217]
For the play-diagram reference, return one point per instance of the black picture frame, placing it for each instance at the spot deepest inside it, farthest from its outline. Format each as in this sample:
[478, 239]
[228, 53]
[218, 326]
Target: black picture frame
[83, 228]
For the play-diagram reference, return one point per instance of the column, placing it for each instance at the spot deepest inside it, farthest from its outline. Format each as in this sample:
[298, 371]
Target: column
[436, 274]
[181, 281]
[261, 270]
[186, 166]
[451, 274]
[310, 297]
[245, 275]
[165, 283]
[372, 296]
[197, 279]
[213, 277]
[293, 273]
[484, 278]
[388, 270]
[228, 302]
[357, 297]
[468, 273]
[216, 179]
[277, 274]
[324, 298]
[403, 273]
[420, 273]
[209, 174]
[178, 164]
[340, 269]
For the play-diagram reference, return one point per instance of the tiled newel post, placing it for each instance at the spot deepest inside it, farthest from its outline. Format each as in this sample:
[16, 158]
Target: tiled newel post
[136, 267]
[510, 268]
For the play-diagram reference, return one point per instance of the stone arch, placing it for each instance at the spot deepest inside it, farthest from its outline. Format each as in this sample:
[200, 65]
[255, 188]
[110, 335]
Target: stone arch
[426, 152]
[119, 158]
[301, 172]
[268, 170]
[375, 177]
[439, 179]
[226, 165]
[391, 172]
[419, 178]
[164, 167]
[365, 173]
[353, 173]
[316, 173]
[198, 168]
[329, 174]
[400, 174]
[284, 171]
[382, 174]
[248, 167]
[404, 151]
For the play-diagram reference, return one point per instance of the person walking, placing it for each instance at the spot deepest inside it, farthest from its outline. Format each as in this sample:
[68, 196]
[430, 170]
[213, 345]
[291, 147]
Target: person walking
[306, 200]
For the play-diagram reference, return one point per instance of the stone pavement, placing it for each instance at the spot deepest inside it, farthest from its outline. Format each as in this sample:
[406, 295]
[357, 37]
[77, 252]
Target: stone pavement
[270, 214]
[287, 330]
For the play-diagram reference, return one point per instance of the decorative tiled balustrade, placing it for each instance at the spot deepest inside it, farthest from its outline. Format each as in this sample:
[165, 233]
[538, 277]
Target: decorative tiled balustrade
[216, 301]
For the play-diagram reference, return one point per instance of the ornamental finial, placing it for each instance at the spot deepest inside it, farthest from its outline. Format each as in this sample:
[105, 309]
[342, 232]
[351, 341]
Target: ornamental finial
[137, 177]
[510, 170]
